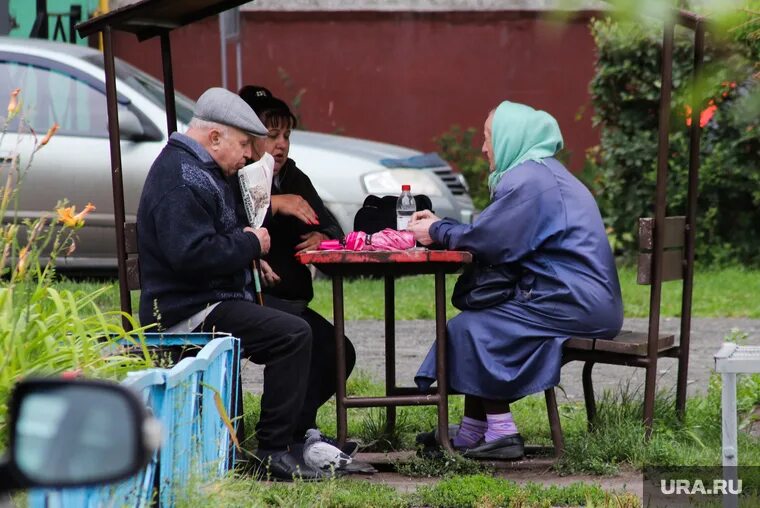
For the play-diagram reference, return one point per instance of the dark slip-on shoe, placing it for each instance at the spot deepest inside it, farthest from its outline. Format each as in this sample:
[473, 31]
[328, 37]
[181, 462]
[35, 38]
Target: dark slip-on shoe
[283, 465]
[430, 439]
[509, 447]
[428, 446]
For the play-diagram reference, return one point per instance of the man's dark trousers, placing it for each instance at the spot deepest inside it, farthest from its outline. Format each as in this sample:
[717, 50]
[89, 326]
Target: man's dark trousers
[322, 378]
[282, 343]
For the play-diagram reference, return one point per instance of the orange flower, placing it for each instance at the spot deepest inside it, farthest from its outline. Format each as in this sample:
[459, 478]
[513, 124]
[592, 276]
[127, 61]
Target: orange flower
[68, 216]
[13, 104]
[707, 114]
[51, 131]
[704, 116]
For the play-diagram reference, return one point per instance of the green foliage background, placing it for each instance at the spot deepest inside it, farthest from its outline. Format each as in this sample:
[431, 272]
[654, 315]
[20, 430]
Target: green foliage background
[461, 149]
[622, 169]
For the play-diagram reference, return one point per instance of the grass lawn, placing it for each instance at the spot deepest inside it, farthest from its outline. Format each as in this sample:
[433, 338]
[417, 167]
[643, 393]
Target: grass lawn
[728, 292]
[617, 442]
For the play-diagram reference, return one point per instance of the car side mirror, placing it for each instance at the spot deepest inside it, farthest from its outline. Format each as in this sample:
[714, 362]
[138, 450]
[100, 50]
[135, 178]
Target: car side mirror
[71, 433]
[130, 126]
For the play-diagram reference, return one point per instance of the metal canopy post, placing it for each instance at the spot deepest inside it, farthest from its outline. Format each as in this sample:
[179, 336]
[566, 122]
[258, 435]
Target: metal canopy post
[166, 60]
[659, 224]
[145, 19]
[116, 175]
[691, 213]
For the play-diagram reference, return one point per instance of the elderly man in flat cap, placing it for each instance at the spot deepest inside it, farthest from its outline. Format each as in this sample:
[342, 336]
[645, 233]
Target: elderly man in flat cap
[195, 264]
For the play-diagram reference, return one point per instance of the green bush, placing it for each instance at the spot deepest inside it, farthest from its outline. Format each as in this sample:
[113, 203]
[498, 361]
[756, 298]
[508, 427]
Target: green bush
[460, 148]
[622, 169]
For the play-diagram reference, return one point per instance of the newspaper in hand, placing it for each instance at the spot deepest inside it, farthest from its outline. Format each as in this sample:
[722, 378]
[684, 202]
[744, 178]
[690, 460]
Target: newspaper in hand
[256, 187]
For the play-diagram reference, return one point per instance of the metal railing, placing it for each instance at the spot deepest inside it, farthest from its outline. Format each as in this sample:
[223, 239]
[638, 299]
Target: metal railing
[196, 441]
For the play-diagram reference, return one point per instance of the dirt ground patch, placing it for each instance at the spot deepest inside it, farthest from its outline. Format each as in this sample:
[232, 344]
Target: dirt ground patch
[535, 469]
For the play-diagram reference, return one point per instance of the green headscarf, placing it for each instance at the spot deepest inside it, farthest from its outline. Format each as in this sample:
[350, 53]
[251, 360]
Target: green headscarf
[521, 133]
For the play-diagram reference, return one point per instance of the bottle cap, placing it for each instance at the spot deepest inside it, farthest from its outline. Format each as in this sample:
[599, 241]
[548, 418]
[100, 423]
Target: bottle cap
[406, 187]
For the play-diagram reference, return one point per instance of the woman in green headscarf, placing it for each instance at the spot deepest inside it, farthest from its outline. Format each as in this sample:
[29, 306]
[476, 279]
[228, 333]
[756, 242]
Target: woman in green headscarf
[545, 226]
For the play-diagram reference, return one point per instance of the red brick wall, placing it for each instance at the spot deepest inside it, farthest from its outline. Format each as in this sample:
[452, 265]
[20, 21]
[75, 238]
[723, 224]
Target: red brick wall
[402, 78]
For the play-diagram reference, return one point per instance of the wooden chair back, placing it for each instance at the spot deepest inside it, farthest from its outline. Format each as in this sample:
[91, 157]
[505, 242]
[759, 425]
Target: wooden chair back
[133, 265]
[673, 256]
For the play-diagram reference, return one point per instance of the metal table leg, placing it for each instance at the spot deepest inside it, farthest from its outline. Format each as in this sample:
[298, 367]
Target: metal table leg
[440, 361]
[340, 357]
[390, 350]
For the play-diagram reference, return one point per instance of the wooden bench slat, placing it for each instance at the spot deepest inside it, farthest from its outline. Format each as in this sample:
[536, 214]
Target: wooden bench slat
[133, 274]
[579, 343]
[586, 344]
[130, 237]
[633, 343]
[672, 266]
[675, 232]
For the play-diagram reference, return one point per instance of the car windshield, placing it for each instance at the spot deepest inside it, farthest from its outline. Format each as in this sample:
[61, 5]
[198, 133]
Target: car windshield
[148, 86]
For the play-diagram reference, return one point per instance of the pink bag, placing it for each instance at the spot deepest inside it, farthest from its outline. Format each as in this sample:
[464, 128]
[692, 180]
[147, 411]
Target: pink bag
[387, 239]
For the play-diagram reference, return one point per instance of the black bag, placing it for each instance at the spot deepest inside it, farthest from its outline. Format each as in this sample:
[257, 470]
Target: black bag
[482, 286]
[378, 213]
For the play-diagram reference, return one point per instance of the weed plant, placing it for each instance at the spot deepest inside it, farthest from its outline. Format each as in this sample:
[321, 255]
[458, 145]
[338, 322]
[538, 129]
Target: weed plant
[618, 436]
[450, 464]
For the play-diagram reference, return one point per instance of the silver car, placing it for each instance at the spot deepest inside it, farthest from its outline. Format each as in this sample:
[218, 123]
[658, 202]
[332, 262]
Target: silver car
[64, 83]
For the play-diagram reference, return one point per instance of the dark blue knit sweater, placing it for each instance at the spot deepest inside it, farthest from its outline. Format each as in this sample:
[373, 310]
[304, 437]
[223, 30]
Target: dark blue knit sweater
[191, 244]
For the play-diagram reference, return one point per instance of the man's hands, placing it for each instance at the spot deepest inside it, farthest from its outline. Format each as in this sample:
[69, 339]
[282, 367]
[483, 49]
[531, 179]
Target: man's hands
[269, 276]
[295, 205]
[420, 224]
[263, 235]
[311, 241]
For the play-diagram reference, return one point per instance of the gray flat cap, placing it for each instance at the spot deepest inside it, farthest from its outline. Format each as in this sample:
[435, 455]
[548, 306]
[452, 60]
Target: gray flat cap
[222, 106]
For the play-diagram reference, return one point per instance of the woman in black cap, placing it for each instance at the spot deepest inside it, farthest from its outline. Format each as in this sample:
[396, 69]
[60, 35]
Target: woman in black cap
[299, 222]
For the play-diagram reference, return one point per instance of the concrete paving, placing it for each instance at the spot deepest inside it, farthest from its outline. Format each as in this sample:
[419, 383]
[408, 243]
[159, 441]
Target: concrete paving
[413, 338]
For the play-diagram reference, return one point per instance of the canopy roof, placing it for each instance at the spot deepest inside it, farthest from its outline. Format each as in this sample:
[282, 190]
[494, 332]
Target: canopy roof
[148, 18]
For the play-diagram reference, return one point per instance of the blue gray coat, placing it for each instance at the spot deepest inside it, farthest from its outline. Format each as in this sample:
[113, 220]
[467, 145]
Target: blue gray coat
[546, 221]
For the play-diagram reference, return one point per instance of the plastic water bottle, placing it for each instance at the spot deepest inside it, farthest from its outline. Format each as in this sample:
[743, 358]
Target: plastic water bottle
[405, 207]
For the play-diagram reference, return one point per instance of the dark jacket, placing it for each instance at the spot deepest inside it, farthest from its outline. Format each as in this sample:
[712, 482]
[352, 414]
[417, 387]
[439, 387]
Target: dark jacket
[285, 232]
[191, 244]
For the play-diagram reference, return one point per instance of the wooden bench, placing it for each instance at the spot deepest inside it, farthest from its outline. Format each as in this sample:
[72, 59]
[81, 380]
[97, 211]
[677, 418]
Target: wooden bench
[635, 349]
